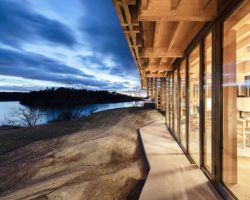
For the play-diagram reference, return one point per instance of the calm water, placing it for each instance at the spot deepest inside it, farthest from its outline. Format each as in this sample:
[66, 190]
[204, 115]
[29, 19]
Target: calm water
[7, 109]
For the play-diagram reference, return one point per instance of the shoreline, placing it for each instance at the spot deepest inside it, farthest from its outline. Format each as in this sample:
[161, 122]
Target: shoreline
[51, 114]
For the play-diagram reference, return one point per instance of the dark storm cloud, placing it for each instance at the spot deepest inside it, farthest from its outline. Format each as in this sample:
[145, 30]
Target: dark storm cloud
[38, 67]
[18, 24]
[102, 30]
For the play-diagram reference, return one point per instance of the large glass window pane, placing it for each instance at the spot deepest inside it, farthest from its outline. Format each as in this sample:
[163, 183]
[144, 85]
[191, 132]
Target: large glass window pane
[207, 88]
[167, 101]
[171, 102]
[193, 73]
[236, 102]
[183, 103]
[176, 102]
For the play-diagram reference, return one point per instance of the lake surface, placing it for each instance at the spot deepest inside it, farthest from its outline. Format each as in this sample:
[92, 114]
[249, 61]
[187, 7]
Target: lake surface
[7, 110]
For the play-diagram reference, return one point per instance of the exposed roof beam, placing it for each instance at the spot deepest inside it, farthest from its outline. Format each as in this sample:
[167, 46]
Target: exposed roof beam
[242, 22]
[204, 3]
[157, 33]
[157, 68]
[176, 34]
[160, 75]
[144, 4]
[174, 4]
[175, 15]
[161, 52]
[131, 2]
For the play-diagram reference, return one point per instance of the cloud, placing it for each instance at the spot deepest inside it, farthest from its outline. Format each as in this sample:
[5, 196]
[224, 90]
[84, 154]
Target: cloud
[39, 67]
[20, 24]
[60, 54]
[91, 61]
[103, 34]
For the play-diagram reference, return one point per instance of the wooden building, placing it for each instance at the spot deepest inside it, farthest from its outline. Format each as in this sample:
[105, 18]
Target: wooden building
[193, 58]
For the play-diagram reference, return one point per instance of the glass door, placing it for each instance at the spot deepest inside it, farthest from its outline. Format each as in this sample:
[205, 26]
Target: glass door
[194, 114]
[171, 121]
[236, 102]
[175, 104]
[182, 104]
[167, 101]
[207, 92]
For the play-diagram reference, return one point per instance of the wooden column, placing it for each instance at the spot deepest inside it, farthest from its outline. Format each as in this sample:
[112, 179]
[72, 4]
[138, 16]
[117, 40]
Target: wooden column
[229, 109]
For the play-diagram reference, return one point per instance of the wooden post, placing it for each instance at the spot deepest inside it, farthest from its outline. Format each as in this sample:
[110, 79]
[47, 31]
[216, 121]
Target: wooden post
[229, 109]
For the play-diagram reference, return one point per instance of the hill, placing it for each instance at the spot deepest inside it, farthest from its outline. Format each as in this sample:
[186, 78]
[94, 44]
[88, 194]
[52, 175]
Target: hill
[63, 97]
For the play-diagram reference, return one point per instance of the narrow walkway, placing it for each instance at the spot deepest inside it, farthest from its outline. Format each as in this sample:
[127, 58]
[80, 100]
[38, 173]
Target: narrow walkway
[171, 175]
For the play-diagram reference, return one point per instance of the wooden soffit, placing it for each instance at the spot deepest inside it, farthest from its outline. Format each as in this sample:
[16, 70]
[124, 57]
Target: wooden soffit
[158, 31]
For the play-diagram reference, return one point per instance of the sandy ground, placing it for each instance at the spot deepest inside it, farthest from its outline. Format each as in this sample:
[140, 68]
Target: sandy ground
[97, 158]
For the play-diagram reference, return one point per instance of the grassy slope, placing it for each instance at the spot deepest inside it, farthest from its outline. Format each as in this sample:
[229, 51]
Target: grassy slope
[95, 159]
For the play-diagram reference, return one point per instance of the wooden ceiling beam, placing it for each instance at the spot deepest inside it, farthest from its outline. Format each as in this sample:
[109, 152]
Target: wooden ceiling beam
[176, 33]
[144, 4]
[131, 2]
[160, 53]
[174, 4]
[159, 75]
[204, 3]
[157, 68]
[156, 34]
[175, 15]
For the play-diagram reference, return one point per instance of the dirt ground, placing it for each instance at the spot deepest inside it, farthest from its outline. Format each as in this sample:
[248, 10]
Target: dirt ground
[98, 158]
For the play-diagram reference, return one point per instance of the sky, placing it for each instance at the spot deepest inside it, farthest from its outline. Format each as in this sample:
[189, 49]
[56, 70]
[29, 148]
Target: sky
[63, 43]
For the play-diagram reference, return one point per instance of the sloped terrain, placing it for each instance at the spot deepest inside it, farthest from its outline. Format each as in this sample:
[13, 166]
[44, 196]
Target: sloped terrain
[96, 158]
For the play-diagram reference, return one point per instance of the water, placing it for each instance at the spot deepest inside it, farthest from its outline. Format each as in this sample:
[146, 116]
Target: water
[7, 110]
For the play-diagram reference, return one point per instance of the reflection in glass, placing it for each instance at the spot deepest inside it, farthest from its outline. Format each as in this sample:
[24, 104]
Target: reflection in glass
[236, 102]
[193, 72]
[176, 102]
[171, 101]
[207, 88]
[167, 101]
[183, 103]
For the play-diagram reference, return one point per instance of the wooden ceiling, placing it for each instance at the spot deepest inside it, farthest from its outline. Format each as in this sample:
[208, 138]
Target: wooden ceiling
[158, 31]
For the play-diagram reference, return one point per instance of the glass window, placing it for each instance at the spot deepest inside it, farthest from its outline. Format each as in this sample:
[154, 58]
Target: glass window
[183, 103]
[236, 102]
[176, 102]
[207, 89]
[167, 101]
[193, 73]
[171, 101]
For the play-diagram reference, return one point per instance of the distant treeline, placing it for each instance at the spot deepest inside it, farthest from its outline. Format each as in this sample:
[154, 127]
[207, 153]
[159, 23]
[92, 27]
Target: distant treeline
[61, 97]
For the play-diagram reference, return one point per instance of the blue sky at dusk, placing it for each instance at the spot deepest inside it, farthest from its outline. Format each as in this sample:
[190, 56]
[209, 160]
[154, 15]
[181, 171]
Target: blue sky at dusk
[54, 43]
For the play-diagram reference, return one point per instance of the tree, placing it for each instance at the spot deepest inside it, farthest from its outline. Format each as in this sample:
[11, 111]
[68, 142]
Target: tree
[73, 113]
[25, 117]
[136, 92]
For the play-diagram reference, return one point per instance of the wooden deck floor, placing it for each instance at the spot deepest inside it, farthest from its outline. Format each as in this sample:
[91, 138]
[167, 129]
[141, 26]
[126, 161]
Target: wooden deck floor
[171, 175]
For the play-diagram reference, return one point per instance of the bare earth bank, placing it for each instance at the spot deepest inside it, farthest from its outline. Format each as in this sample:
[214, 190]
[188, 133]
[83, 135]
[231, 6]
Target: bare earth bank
[94, 159]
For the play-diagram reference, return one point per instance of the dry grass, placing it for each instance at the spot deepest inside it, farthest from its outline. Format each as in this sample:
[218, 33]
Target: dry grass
[82, 160]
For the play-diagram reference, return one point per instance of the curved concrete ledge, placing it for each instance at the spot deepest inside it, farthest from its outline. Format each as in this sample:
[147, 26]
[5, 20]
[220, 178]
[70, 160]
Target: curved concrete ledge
[171, 175]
